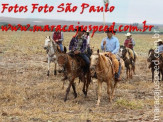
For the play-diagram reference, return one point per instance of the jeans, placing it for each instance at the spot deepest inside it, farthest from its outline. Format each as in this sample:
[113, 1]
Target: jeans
[89, 52]
[85, 58]
[61, 47]
[119, 70]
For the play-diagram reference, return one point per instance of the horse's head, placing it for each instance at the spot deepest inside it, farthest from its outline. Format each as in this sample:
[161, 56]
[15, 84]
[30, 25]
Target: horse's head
[62, 60]
[94, 62]
[122, 51]
[151, 55]
[47, 42]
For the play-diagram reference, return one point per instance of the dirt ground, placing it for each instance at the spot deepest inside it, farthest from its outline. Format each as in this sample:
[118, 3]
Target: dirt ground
[27, 95]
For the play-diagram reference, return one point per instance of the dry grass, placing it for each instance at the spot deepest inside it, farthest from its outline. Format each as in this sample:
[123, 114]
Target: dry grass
[28, 95]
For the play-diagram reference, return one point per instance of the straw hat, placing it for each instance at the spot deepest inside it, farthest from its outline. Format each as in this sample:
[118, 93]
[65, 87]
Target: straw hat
[128, 34]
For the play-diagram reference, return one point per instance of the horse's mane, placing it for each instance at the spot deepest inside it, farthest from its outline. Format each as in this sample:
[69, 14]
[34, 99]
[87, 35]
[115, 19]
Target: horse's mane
[104, 62]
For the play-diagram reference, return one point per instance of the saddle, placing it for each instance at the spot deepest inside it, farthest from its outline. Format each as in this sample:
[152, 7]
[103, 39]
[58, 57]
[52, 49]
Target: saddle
[111, 57]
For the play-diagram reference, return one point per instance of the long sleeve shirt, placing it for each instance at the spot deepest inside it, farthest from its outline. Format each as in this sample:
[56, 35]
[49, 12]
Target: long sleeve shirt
[128, 43]
[58, 36]
[133, 42]
[112, 45]
[78, 44]
[160, 49]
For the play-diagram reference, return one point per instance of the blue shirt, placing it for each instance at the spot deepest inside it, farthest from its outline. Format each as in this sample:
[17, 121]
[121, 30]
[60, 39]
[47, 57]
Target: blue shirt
[112, 45]
[160, 49]
[133, 42]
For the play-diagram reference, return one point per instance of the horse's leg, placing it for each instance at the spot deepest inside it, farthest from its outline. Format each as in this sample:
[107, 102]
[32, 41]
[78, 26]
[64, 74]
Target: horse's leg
[131, 71]
[55, 70]
[162, 74]
[152, 75]
[84, 86]
[113, 88]
[109, 89]
[74, 89]
[88, 82]
[133, 68]
[127, 73]
[48, 67]
[99, 92]
[159, 74]
[68, 89]
[63, 84]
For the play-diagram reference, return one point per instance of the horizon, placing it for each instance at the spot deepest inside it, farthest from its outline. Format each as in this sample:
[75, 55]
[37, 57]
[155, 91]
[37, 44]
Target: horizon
[72, 20]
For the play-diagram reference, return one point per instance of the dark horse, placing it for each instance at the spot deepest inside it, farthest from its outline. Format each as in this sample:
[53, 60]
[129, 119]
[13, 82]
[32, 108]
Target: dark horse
[129, 61]
[73, 67]
[155, 60]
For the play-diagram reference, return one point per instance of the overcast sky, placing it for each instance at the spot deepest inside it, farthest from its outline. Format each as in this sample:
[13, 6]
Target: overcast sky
[126, 11]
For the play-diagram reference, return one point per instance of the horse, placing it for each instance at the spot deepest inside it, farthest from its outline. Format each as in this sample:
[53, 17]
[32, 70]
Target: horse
[129, 59]
[154, 60]
[103, 67]
[73, 68]
[51, 47]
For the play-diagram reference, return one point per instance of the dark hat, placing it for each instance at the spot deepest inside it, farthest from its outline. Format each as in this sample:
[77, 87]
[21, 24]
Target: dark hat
[80, 29]
[110, 30]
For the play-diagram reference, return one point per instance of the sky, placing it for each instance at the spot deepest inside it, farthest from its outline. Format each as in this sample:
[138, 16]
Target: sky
[126, 11]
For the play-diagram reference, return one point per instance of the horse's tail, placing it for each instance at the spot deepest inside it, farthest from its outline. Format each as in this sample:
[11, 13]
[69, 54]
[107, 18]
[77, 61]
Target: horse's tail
[136, 56]
[131, 53]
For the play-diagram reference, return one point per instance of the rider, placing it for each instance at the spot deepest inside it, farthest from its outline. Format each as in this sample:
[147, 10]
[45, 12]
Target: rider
[111, 44]
[130, 43]
[87, 37]
[78, 46]
[160, 47]
[58, 38]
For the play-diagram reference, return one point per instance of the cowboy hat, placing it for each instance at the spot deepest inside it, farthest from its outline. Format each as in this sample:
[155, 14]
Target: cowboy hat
[128, 34]
[80, 29]
[87, 31]
[159, 40]
[109, 30]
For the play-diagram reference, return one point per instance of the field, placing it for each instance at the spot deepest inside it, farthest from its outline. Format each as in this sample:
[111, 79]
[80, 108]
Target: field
[27, 95]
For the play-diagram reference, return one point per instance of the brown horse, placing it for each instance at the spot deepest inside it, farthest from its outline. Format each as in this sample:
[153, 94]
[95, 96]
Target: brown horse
[73, 68]
[102, 66]
[154, 60]
[129, 60]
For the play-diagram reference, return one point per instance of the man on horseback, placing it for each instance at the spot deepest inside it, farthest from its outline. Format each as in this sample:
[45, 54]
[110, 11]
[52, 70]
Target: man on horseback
[87, 37]
[160, 46]
[111, 45]
[78, 46]
[58, 38]
[130, 43]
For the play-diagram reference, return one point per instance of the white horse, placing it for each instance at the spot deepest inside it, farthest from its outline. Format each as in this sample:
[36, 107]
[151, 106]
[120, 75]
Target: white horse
[51, 49]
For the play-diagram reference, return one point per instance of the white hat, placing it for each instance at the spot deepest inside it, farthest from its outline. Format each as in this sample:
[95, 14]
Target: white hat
[159, 40]
[128, 34]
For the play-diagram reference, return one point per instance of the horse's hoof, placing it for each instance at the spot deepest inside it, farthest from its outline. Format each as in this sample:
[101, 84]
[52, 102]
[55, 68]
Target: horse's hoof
[65, 99]
[85, 93]
[97, 104]
[75, 95]
[48, 73]
[55, 72]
